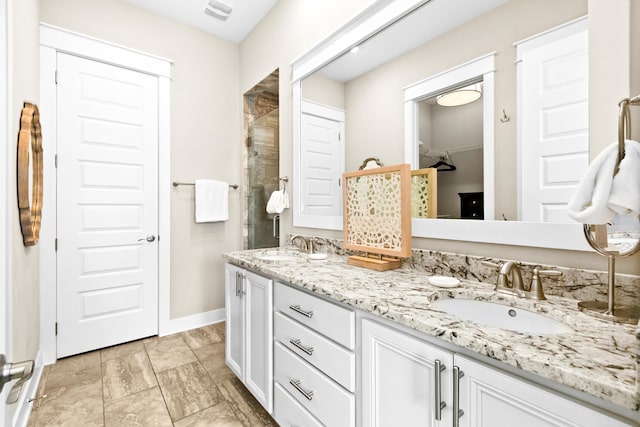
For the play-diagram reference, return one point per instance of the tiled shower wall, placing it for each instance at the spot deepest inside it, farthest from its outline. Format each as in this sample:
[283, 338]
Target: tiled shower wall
[261, 162]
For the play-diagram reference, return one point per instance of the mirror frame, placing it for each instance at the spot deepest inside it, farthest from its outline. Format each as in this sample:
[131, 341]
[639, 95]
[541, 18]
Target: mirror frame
[471, 71]
[364, 25]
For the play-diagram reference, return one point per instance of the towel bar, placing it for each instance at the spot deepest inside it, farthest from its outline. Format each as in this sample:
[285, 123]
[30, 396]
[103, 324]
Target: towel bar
[176, 183]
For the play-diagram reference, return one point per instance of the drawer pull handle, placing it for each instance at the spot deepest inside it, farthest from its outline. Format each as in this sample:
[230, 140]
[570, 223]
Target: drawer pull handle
[298, 344]
[308, 394]
[298, 310]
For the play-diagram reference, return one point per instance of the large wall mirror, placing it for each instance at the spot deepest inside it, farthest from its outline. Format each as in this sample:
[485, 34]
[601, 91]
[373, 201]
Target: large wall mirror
[384, 72]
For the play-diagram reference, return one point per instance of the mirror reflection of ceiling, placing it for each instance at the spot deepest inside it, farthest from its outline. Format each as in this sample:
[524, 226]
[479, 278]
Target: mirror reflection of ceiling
[440, 133]
[417, 28]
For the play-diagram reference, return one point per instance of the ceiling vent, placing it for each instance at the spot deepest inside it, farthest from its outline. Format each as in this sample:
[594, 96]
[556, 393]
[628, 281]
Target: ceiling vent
[218, 9]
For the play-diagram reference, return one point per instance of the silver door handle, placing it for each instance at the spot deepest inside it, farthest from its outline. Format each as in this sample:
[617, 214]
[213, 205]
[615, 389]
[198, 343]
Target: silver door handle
[440, 405]
[149, 239]
[239, 284]
[15, 371]
[457, 412]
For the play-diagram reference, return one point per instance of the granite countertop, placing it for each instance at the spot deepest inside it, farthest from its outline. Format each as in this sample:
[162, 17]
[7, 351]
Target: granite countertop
[598, 359]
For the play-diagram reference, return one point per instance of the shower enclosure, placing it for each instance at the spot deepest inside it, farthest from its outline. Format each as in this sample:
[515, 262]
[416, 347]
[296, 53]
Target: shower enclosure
[261, 162]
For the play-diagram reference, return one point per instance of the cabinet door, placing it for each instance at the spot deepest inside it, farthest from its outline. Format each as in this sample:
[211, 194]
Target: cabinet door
[259, 338]
[234, 356]
[490, 398]
[399, 379]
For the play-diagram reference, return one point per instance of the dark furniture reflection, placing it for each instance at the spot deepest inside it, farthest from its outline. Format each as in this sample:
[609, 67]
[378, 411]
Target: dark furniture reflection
[471, 205]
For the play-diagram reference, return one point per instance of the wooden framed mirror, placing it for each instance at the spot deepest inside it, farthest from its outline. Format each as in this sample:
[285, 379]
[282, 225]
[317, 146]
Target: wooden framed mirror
[30, 174]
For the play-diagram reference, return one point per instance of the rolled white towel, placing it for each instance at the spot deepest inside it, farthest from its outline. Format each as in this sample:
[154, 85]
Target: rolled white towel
[278, 202]
[599, 196]
[625, 190]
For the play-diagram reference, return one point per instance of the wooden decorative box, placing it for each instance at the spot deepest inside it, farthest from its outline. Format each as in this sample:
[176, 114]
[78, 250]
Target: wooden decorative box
[377, 216]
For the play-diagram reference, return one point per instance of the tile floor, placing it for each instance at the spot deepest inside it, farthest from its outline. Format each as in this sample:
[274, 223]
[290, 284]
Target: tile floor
[179, 380]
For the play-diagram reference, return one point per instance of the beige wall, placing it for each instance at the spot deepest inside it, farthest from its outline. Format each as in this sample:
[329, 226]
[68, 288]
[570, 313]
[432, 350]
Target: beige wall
[24, 83]
[285, 27]
[205, 132]
[323, 90]
[293, 27]
[635, 65]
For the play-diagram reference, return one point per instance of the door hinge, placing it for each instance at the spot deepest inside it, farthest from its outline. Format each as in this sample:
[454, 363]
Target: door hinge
[56, 328]
[56, 244]
[55, 160]
[56, 76]
[339, 136]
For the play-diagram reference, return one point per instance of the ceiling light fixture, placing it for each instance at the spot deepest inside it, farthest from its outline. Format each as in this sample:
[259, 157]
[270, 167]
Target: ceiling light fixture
[355, 49]
[218, 9]
[462, 96]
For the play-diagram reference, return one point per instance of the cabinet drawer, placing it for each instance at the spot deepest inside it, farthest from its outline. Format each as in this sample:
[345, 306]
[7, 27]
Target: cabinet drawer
[289, 413]
[330, 358]
[326, 400]
[329, 319]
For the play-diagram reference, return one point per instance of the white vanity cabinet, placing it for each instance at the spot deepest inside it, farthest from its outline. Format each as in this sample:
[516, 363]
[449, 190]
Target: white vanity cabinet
[401, 385]
[403, 378]
[249, 331]
[491, 398]
[315, 368]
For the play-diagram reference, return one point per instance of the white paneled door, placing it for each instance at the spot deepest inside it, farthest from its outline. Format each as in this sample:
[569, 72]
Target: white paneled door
[107, 202]
[555, 126]
[321, 162]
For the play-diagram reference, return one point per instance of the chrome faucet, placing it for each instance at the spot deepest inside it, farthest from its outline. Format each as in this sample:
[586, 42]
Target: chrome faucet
[308, 242]
[509, 278]
[513, 284]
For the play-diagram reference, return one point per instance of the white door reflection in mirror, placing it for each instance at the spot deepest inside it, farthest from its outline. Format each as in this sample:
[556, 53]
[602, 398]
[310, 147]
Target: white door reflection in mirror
[553, 101]
[321, 160]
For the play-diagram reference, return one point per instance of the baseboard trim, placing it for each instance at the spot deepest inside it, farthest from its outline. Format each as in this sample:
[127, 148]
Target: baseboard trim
[185, 323]
[25, 404]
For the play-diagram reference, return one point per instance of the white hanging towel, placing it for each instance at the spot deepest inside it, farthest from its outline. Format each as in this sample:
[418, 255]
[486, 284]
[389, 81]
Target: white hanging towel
[278, 202]
[600, 195]
[625, 191]
[211, 200]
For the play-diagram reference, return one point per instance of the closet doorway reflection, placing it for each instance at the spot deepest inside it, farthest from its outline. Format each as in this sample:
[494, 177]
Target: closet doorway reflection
[261, 161]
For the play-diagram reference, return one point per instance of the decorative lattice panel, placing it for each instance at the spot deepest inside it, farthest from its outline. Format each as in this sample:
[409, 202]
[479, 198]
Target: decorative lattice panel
[424, 189]
[377, 210]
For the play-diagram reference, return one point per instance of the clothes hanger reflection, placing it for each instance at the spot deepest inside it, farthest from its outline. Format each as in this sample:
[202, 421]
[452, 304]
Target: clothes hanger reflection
[444, 164]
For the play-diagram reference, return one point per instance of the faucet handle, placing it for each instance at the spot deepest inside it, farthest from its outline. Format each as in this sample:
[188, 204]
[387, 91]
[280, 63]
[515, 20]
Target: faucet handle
[536, 282]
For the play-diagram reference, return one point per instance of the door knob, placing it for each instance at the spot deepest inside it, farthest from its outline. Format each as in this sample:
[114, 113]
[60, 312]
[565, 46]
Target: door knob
[15, 371]
[149, 239]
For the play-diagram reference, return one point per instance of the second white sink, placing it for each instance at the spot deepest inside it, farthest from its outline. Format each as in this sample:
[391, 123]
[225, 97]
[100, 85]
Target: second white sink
[501, 316]
[279, 255]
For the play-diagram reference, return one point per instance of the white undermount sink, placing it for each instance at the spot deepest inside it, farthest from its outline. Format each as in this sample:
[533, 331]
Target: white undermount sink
[278, 256]
[501, 316]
